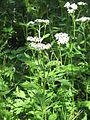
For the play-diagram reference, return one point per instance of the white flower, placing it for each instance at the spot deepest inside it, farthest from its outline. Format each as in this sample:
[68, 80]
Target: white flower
[46, 21]
[31, 22]
[62, 38]
[71, 7]
[82, 3]
[74, 6]
[34, 39]
[48, 46]
[40, 46]
[42, 21]
[67, 5]
[83, 19]
[70, 11]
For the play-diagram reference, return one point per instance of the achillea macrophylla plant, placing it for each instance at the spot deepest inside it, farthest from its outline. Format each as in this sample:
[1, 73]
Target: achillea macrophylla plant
[83, 21]
[36, 41]
[71, 9]
[51, 72]
[62, 38]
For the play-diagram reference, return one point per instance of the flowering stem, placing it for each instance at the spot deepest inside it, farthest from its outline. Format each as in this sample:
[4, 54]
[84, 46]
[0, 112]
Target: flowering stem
[74, 34]
[86, 92]
[39, 31]
[65, 59]
[26, 31]
[60, 55]
[74, 25]
[43, 87]
[83, 27]
[43, 107]
[44, 29]
[86, 95]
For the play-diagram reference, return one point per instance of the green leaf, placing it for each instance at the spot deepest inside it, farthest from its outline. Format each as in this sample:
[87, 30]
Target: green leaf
[26, 55]
[46, 36]
[53, 117]
[19, 93]
[88, 104]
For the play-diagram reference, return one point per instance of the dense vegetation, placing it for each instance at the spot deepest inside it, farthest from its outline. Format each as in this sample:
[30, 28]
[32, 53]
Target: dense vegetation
[44, 60]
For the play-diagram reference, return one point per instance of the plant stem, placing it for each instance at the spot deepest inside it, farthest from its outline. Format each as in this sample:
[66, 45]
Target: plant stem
[26, 31]
[65, 59]
[86, 92]
[60, 55]
[74, 26]
[84, 36]
[74, 34]
[86, 95]
[44, 29]
[39, 31]
[43, 107]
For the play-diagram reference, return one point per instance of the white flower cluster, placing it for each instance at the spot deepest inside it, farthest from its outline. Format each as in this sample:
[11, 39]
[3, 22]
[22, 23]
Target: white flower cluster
[83, 19]
[42, 21]
[34, 39]
[71, 7]
[38, 21]
[40, 46]
[36, 43]
[62, 38]
[82, 3]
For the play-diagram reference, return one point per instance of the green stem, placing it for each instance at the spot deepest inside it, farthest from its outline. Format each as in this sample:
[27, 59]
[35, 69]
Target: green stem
[39, 31]
[43, 102]
[60, 55]
[85, 42]
[86, 97]
[43, 107]
[74, 34]
[65, 59]
[44, 29]
[26, 31]
[83, 27]
[86, 92]
[74, 26]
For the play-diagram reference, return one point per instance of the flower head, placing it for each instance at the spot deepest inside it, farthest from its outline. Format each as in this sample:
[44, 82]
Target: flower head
[74, 6]
[82, 3]
[40, 46]
[71, 7]
[42, 21]
[83, 19]
[67, 5]
[36, 43]
[70, 11]
[34, 39]
[62, 38]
